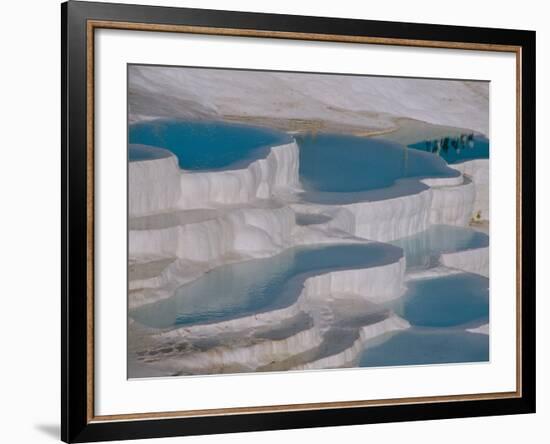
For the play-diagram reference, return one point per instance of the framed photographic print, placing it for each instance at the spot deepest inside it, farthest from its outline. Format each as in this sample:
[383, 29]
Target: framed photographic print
[275, 221]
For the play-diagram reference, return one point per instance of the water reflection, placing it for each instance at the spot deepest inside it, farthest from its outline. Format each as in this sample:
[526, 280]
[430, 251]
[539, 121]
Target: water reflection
[456, 148]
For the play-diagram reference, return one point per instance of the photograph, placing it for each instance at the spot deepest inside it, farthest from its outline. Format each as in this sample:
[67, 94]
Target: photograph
[262, 222]
[297, 221]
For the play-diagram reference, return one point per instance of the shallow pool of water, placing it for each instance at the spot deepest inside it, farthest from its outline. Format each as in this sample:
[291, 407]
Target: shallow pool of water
[426, 346]
[456, 149]
[207, 145]
[241, 289]
[447, 301]
[342, 169]
[424, 249]
[341, 163]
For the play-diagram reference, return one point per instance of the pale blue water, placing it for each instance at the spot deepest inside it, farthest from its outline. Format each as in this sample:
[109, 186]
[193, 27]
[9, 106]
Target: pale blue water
[456, 149]
[342, 169]
[423, 249]
[447, 301]
[439, 310]
[146, 152]
[346, 164]
[207, 145]
[419, 346]
[241, 289]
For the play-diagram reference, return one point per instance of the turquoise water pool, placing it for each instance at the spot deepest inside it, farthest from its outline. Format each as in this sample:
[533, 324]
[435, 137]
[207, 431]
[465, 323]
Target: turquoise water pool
[245, 288]
[456, 149]
[207, 145]
[448, 301]
[439, 311]
[342, 169]
[340, 163]
[419, 346]
[423, 249]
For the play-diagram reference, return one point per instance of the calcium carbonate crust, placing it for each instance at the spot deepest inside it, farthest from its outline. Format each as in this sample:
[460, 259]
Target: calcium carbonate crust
[240, 228]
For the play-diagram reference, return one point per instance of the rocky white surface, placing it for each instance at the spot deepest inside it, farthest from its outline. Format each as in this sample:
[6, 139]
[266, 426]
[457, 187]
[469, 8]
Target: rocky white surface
[258, 181]
[349, 355]
[159, 185]
[154, 186]
[375, 284]
[400, 214]
[370, 102]
[390, 219]
[431, 273]
[251, 232]
[478, 172]
[453, 205]
[482, 329]
[247, 357]
[473, 261]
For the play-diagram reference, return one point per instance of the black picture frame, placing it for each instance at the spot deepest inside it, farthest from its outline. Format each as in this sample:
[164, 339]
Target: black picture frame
[77, 424]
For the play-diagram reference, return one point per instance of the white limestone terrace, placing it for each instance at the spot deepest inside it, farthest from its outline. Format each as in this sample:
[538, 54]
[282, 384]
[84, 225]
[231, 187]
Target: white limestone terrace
[410, 207]
[186, 242]
[476, 169]
[335, 313]
[239, 221]
[384, 214]
[185, 224]
[444, 250]
[478, 172]
[160, 184]
[153, 181]
[156, 185]
[300, 327]
[474, 261]
[201, 239]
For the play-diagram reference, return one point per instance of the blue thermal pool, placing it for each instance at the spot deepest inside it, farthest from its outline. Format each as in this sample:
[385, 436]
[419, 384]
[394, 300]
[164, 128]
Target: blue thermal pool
[338, 168]
[456, 149]
[439, 311]
[207, 145]
[423, 249]
[420, 346]
[448, 301]
[245, 288]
